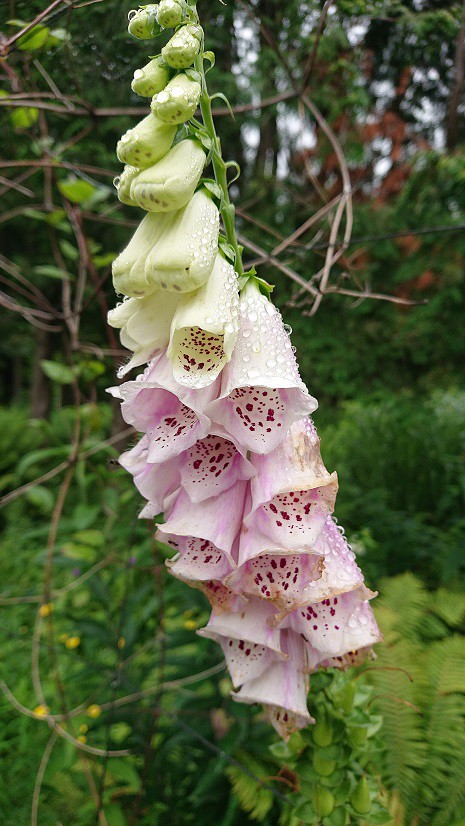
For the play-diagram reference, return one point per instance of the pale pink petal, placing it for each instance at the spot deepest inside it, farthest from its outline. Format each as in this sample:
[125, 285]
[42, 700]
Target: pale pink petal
[211, 466]
[335, 626]
[280, 578]
[216, 520]
[282, 688]
[154, 481]
[197, 559]
[295, 464]
[172, 416]
[249, 644]
[340, 572]
[262, 393]
[221, 597]
[291, 496]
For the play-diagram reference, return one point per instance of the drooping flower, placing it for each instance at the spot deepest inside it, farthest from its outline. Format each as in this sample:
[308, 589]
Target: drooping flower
[142, 22]
[146, 143]
[250, 645]
[123, 184]
[211, 466]
[145, 325]
[152, 78]
[169, 184]
[282, 689]
[335, 626]
[291, 495]
[155, 481]
[172, 417]
[178, 101]
[204, 328]
[204, 533]
[170, 251]
[183, 257]
[262, 393]
[181, 49]
[170, 13]
[129, 267]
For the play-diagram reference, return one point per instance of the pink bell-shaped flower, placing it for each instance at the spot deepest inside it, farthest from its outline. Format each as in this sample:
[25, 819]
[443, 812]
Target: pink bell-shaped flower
[172, 416]
[204, 533]
[262, 393]
[249, 644]
[282, 688]
[335, 626]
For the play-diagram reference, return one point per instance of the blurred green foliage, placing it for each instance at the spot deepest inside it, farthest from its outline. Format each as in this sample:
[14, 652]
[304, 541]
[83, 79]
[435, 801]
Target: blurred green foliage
[389, 379]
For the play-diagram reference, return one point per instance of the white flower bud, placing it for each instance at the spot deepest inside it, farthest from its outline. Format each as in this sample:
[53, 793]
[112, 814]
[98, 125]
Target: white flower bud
[183, 258]
[172, 251]
[180, 51]
[142, 21]
[170, 13]
[128, 267]
[146, 143]
[151, 79]
[178, 100]
[123, 184]
[170, 183]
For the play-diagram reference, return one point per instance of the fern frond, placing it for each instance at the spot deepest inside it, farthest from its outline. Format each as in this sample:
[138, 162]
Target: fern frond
[403, 728]
[253, 797]
[449, 606]
[403, 601]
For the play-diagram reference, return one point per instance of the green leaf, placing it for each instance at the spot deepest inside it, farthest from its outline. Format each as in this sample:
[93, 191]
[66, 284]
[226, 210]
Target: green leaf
[75, 190]
[90, 536]
[41, 497]
[68, 250]
[212, 187]
[57, 372]
[24, 117]
[49, 271]
[34, 39]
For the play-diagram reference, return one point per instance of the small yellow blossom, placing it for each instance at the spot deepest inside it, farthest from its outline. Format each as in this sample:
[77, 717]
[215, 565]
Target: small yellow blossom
[82, 738]
[83, 729]
[121, 642]
[46, 609]
[41, 711]
[190, 625]
[94, 711]
[63, 637]
[72, 642]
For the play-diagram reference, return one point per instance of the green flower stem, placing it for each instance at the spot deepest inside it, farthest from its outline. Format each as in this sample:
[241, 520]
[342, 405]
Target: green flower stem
[219, 168]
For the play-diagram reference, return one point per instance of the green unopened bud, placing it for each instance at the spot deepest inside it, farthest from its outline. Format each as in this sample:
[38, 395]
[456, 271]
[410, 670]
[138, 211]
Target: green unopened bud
[360, 797]
[146, 143]
[143, 21]
[129, 267]
[181, 50]
[170, 183]
[183, 258]
[357, 735]
[178, 100]
[323, 801]
[170, 13]
[345, 697]
[123, 184]
[151, 79]
[322, 732]
[322, 766]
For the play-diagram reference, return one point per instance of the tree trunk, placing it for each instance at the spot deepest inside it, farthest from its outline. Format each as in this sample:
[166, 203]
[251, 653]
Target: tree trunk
[457, 88]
